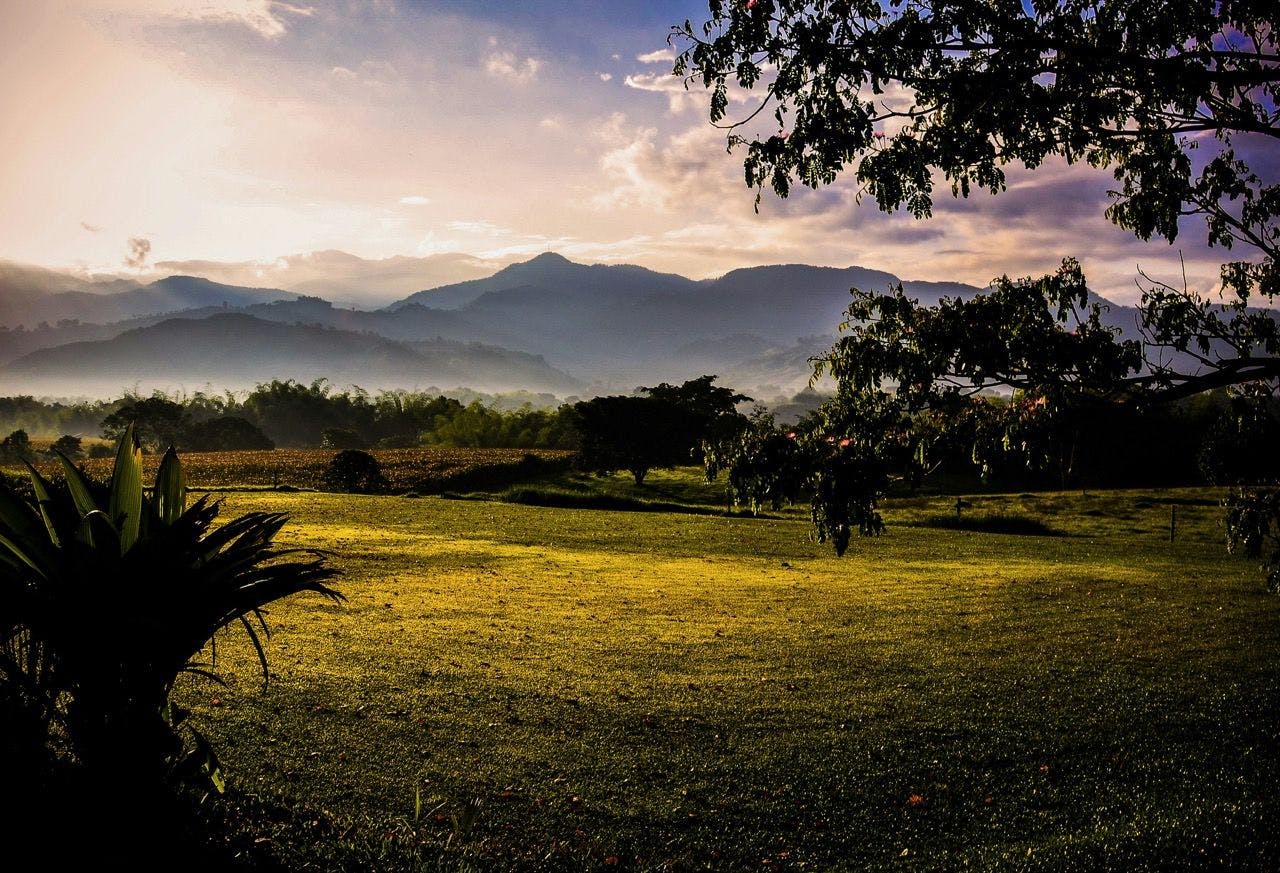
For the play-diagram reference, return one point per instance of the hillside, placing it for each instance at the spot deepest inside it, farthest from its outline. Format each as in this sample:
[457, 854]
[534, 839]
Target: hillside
[236, 351]
[29, 296]
[612, 327]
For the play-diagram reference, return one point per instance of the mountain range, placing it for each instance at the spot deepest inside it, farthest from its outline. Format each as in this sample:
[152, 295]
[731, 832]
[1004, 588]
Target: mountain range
[547, 325]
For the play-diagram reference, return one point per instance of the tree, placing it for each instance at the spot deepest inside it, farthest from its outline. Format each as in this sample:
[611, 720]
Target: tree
[228, 433]
[68, 446]
[766, 465]
[901, 93]
[635, 434]
[156, 421]
[16, 447]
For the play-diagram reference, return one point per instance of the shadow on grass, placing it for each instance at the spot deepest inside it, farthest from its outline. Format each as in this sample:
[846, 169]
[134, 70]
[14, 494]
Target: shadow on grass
[560, 498]
[997, 523]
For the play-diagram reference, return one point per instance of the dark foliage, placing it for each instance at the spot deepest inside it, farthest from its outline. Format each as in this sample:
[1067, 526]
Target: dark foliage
[355, 472]
[68, 446]
[904, 94]
[108, 594]
[16, 447]
[341, 439]
[667, 426]
[228, 433]
[157, 421]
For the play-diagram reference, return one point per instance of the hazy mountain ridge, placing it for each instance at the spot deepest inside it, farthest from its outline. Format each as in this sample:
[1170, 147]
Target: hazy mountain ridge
[341, 276]
[548, 319]
[237, 351]
[70, 299]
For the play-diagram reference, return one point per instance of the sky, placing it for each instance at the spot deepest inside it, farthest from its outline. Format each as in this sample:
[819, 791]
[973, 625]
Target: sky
[143, 136]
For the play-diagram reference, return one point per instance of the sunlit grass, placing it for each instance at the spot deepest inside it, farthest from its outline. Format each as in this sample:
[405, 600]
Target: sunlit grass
[683, 690]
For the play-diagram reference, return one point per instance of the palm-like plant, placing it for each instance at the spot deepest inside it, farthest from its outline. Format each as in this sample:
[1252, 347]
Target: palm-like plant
[107, 594]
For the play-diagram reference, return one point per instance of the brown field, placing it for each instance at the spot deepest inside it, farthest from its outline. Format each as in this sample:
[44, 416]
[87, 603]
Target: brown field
[429, 468]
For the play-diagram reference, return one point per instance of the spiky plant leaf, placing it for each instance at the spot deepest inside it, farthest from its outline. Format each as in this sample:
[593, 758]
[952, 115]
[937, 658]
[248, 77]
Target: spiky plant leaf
[171, 490]
[15, 554]
[81, 497]
[23, 533]
[125, 503]
[48, 509]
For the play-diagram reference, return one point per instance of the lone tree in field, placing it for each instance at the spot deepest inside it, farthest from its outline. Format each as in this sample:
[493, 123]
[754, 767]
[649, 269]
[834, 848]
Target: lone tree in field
[635, 434]
[902, 94]
[156, 421]
[664, 428]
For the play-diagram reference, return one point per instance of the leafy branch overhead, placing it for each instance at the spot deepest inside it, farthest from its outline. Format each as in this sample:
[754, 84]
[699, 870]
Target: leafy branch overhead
[1173, 97]
[901, 93]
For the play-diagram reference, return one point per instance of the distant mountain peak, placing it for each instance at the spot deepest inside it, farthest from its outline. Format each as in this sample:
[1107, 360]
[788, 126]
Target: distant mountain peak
[549, 258]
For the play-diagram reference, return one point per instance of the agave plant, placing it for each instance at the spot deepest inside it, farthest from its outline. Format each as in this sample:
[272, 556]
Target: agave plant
[107, 594]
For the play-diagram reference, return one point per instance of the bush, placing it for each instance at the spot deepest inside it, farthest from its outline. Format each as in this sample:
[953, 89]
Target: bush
[342, 439]
[68, 446]
[355, 472]
[113, 593]
[16, 447]
[227, 434]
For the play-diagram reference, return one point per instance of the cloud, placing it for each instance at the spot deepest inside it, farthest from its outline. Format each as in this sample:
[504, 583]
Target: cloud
[480, 226]
[679, 98]
[551, 122]
[92, 228]
[605, 77]
[505, 65]
[661, 56]
[344, 73]
[268, 18]
[414, 200]
[139, 251]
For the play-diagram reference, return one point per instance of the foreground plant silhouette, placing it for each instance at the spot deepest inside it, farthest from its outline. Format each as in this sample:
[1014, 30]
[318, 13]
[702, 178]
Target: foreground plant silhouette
[106, 596]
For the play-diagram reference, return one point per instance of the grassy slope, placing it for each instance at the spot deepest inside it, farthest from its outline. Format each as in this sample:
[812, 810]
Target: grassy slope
[651, 688]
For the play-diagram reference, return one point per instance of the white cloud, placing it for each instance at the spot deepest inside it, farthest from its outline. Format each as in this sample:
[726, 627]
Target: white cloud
[605, 77]
[551, 122]
[631, 153]
[480, 226]
[679, 98]
[613, 130]
[414, 200]
[505, 65]
[270, 19]
[661, 56]
[343, 73]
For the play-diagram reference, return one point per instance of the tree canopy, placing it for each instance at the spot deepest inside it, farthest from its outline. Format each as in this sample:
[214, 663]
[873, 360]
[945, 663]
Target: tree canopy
[666, 426]
[1176, 98]
[1171, 95]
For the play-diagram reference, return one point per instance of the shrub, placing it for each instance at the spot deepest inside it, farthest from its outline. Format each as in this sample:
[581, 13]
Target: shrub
[342, 439]
[108, 595]
[227, 434]
[355, 472]
[69, 446]
[16, 447]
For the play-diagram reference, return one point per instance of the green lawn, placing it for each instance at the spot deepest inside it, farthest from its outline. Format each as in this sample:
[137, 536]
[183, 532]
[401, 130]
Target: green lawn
[650, 690]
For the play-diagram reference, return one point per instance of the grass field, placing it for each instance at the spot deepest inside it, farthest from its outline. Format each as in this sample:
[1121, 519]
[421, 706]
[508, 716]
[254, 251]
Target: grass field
[523, 686]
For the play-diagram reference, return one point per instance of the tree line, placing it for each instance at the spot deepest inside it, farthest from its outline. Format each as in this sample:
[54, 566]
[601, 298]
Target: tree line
[287, 413]
[1017, 441]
